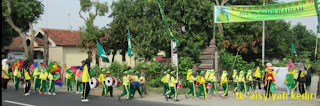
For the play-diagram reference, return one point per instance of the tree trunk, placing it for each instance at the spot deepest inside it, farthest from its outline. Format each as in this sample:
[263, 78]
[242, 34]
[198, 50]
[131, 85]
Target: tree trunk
[31, 55]
[114, 52]
[46, 48]
[220, 26]
[123, 53]
[97, 58]
[318, 91]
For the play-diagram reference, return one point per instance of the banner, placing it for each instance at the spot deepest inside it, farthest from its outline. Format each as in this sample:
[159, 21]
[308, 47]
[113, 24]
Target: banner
[129, 45]
[174, 56]
[102, 53]
[301, 8]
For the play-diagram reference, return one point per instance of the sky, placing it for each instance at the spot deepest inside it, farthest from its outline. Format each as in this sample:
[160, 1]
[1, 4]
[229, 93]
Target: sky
[56, 16]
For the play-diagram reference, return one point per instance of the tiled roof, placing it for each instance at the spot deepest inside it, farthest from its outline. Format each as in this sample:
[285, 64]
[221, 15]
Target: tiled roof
[15, 45]
[63, 37]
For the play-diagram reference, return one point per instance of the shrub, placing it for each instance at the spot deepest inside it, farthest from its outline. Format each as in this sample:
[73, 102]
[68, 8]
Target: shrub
[185, 63]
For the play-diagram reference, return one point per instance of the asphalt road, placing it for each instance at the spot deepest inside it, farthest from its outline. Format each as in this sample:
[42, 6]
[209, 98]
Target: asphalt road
[10, 97]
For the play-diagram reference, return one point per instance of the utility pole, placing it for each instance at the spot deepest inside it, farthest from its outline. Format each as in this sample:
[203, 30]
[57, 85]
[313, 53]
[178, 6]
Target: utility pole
[263, 38]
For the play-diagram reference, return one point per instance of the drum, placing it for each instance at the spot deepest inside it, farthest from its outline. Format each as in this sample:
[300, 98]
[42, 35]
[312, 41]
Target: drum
[118, 82]
[109, 81]
[115, 84]
[197, 84]
[94, 83]
[179, 85]
[136, 83]
[209, 85]
[142, 80]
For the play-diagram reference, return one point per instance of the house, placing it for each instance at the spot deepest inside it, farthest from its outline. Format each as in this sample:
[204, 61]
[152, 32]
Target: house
[63, 48]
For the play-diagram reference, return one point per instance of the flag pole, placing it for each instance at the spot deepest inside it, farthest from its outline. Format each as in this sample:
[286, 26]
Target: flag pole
[263, 38]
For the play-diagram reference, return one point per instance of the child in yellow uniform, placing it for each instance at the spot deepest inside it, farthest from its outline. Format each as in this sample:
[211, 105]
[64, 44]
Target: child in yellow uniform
[173, 88]
[17, 76]
[214, 82]
[52, 84]
[166, 80]
[224, 84]
[109, 88]
[69, 83]
[192, 87]
[27, 77]
[249, 81]
[125, 83]
[43, 77]
[235, 80]
[242, 82]
[37, 80]
[102, 79]
[137, 88]
[202, 87]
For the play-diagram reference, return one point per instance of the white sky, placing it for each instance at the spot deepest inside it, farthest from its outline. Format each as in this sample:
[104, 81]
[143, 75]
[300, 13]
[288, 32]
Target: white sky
[56, 16]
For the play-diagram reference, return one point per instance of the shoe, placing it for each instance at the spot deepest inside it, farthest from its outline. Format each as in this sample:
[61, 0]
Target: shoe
[84, 100]
[222, 96]
[40, 92]
[219, 95]
[211, 96]
[169, 97]
[226, 97]
[111, 96]
[53, 93]
[45, 93]
[119, 97]
[77, 92]
[176, 100]
[25, 94]
[196, 98]
[49, 93]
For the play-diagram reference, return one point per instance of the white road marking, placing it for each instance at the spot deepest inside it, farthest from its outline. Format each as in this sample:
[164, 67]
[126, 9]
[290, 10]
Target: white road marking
[23, 104]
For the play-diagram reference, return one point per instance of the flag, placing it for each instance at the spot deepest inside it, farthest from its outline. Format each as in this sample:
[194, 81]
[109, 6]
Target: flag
[129, 45]
[166, 23]
[74, 69]
[292, 48]
[70, 72]
[102, 53]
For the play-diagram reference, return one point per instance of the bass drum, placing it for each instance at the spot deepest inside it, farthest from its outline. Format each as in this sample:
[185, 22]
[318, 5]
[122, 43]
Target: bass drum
[115, 84]
[118, 82]
[109, 81]
[94, 83]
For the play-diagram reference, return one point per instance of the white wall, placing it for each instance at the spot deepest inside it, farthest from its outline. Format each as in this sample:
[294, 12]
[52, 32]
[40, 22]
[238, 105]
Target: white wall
[16, 54]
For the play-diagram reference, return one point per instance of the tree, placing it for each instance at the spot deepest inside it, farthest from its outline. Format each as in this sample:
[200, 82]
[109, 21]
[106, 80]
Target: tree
[26, 12]
[7, 34]
[91, 32]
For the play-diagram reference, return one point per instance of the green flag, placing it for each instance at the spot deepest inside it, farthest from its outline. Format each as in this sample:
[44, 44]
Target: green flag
[129, 45]
[166, 23]
[292, 48]
[102, 53]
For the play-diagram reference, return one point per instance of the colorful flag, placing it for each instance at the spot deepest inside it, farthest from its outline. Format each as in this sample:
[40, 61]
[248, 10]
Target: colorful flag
[70, 72]
[166, 23]
[129, 45]
[293, 48]
[102, 53]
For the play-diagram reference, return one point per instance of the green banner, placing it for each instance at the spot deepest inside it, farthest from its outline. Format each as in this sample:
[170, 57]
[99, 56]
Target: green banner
[301, 8]
[102, 53]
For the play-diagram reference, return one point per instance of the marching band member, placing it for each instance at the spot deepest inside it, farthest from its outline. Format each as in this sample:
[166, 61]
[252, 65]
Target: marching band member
[43, 77]
[202, 88]
[173, 88]
[27, 77]
[125, 84]
[249, 81]
[78, 81]
[37, 80]
[109, 88]
[137, 88]
[214, 82]
[224, 84]
[242, 82]
[257, 77]
[51, 84]
[235, 80]
[192, 87]
[102, 78]
[17, 76]
[85, 79]
[69, 83]
[166, 80]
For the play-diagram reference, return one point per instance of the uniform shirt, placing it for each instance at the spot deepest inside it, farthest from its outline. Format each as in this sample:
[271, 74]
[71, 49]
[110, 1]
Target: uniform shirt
[257, 73]
[201, 80]
[36, 73]
[125, 80]
[85, 74]
[167, 78]
[241, 79]
[136, 78]
[225, 80]
[26, 75]
[5, 71]
[235, 78]
[213, 78]
[249, 77]
[17, 73]
[192, 79]
[207, 76]
[43, 75]
[102, 78]
[50, 76]
[173, 82]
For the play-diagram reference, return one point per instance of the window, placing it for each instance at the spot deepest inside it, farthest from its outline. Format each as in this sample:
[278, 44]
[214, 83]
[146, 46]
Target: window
[38, 55]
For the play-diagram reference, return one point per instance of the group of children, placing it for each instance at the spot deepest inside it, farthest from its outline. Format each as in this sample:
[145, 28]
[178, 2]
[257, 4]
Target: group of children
[131, 83]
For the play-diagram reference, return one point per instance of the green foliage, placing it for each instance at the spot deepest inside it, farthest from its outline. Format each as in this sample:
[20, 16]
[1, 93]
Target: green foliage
[116, 68]
[154, 74]
[97, 71]
[227, 62]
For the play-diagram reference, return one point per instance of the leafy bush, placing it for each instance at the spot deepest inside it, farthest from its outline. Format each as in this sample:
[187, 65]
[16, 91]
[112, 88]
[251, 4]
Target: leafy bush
[154, 74]
[227, 61]
[117, 69]
[185, 63]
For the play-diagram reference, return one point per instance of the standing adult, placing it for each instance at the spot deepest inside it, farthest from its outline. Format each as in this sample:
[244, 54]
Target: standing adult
[309, 72]
[86, 77]
[144, 85]
[257, 77]
[301, 77]
[27, 77]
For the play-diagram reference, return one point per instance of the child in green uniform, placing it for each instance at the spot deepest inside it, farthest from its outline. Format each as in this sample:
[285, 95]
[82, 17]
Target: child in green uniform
[192, 87]
[242, 82]
[224, 84]
[17, 76]
[290, 81]
[37, 80]
[102, 79]
[109, 88]
[249, 82]
[235, 80]
[137, 88]
[43, 77]
[214, 82]
[125, 83]
[51, 84]
[173, 88]
[69, 83]
[202, 87]
[166, 80]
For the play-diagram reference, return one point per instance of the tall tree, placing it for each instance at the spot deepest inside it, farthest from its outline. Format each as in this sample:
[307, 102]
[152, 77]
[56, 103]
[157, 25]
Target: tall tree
[27, 11]
[91, 32]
